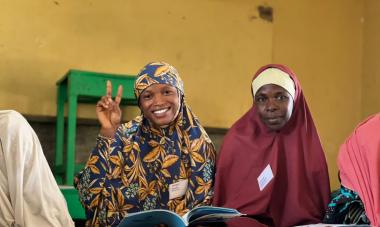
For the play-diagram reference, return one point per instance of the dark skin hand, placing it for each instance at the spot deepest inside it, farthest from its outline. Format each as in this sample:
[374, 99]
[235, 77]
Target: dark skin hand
[108, 111]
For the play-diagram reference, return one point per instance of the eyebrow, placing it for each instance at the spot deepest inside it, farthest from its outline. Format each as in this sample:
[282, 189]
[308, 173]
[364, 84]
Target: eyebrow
[282, 92]
[146, 92]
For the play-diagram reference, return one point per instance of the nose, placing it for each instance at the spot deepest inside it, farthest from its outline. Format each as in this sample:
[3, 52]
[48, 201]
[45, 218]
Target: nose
[271, 105]
[158, 100]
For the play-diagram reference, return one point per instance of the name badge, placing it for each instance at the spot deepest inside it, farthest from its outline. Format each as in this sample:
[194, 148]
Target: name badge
[265, 177]
[178, 189]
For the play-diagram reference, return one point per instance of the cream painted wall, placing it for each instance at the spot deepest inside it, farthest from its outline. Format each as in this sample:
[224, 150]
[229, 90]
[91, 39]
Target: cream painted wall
[321, 41]
[216, 45]
[371, 59]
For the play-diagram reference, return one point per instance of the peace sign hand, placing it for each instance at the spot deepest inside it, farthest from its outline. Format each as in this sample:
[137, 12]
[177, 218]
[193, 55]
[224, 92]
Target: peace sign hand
[109, 112]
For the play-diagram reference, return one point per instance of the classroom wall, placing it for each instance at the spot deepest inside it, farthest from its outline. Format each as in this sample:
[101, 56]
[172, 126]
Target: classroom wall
[371, 59]
[321, 41]
[216, 45]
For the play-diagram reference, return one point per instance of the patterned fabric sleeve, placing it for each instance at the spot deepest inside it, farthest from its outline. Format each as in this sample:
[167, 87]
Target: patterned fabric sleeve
[202, 176]
[206, 180]
[94, 182]
[345, 207]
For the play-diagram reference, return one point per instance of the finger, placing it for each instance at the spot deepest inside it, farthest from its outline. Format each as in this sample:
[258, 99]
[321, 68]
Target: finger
[102, 105]
[119, 94]
[104, 101]
[109, 89]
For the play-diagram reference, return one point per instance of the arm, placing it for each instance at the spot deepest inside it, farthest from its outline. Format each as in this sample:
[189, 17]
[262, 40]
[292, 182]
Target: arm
[103, 187]
[29, 194]
[92, 183]
[202, 175]
[95, 183]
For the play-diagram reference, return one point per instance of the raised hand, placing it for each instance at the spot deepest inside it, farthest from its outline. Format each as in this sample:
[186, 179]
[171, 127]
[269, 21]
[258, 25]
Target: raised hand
[109, 112]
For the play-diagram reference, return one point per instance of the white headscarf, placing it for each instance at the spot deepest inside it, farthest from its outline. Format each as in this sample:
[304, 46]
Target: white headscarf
[274, 76]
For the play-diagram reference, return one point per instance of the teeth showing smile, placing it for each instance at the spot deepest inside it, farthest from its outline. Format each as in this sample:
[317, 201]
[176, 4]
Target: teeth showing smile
[160, 111]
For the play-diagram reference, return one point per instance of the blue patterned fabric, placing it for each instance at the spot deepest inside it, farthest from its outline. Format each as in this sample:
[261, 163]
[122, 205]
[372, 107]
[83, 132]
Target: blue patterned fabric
[157, 73]
[133, 171]
[346, 207]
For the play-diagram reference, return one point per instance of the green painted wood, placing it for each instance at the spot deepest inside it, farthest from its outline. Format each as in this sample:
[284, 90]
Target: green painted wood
[71, 134]
[73, 203]
[61, 93]
[73, 88]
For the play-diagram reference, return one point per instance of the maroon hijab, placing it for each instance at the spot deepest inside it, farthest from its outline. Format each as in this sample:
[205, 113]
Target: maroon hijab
[299, 191]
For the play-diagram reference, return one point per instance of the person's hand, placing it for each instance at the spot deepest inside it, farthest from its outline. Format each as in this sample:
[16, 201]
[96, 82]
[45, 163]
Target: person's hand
[109, 112]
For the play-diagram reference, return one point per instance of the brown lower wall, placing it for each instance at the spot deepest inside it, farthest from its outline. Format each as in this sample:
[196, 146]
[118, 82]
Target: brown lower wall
[87, 130]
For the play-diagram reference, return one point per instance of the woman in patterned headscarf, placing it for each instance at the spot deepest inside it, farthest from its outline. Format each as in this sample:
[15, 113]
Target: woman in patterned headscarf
[161, 159]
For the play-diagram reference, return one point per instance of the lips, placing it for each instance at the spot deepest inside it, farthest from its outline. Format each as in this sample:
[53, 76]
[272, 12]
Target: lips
[273, 120]
[160, 112]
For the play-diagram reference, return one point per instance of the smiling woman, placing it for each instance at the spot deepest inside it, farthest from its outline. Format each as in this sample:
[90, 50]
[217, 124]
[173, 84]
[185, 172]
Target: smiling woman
[271, 164]
[160, 104]
[162, 159]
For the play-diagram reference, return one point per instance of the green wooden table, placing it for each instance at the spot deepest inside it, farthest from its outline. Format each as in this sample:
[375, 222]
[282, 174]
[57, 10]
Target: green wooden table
[74, 88]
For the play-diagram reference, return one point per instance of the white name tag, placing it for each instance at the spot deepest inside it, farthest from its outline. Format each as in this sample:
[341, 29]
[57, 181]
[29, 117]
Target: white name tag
[265, 177]
[177, 189]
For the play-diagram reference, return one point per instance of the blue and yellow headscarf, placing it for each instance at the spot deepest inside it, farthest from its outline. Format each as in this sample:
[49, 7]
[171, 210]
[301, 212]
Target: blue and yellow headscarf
[163, 73]
[157, 73]
[133, 171]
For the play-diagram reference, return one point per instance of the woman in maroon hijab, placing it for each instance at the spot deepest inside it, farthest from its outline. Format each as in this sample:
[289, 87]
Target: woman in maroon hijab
[271, 165]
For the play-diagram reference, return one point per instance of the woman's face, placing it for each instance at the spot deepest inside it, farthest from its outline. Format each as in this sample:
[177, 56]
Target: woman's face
[274, 105]
[160, 103]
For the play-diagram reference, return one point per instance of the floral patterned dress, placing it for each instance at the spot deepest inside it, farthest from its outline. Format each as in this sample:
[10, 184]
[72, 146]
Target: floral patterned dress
[133, 171]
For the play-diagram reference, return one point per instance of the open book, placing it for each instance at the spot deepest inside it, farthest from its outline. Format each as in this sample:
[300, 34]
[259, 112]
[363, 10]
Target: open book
[199, 215]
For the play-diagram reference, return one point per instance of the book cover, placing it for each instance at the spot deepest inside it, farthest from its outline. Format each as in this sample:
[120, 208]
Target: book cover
[198, 215]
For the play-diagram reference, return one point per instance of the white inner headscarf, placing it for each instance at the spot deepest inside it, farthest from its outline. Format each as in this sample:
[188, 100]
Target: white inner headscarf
[274, 76]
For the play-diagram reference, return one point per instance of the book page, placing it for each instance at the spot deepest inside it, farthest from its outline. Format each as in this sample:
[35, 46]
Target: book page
[210, 214]
[152, 218]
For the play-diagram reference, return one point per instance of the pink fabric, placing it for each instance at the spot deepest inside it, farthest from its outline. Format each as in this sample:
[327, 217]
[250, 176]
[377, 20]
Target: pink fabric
[299, 192]
[359, 165]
